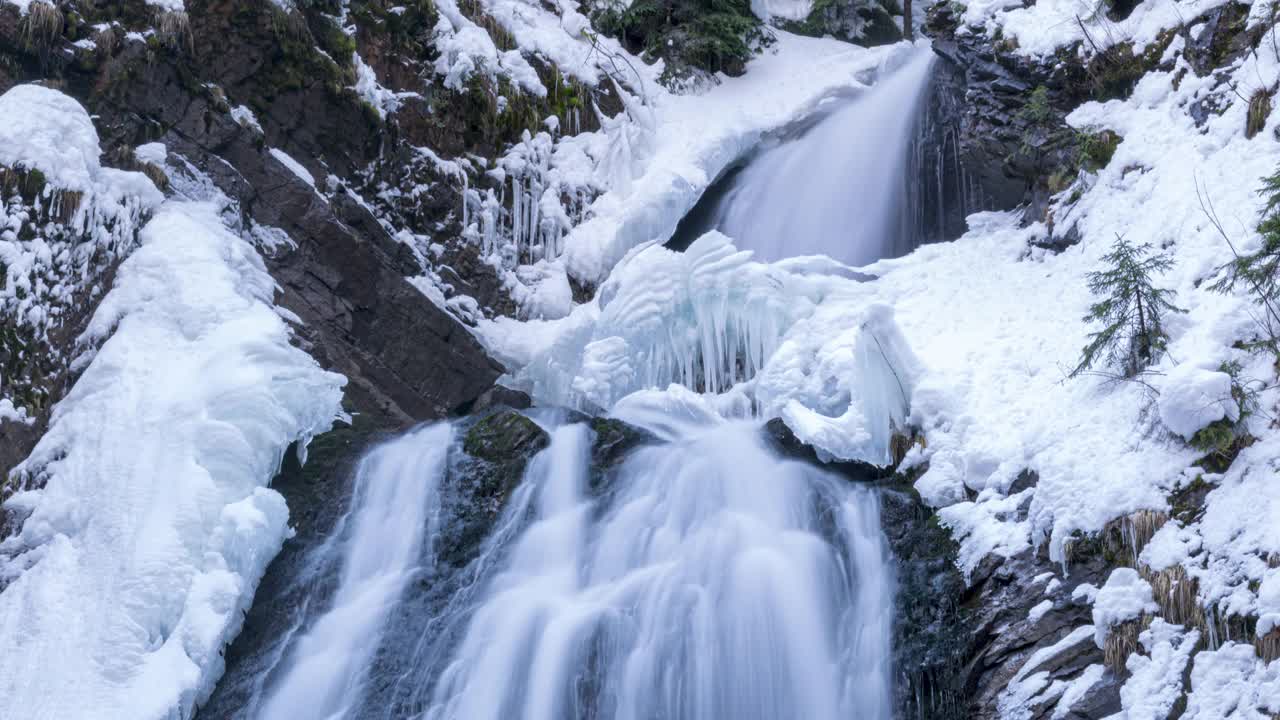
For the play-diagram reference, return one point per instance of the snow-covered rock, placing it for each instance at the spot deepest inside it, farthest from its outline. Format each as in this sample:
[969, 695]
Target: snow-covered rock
[1125, 596]
[1192, 397]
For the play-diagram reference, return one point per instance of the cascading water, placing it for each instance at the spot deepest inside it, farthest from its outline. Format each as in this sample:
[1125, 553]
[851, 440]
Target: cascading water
[704, 578]
[395, 506]
[712, 580]
[842, 189]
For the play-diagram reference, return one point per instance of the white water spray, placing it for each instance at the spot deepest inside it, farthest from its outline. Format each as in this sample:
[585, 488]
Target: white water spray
[395, 506]
[715, 580]
[841, 188]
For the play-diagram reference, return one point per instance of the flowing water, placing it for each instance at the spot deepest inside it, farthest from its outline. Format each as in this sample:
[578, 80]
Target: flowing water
[395, 506]
[844, 188]
[705, 577]
[716, 581]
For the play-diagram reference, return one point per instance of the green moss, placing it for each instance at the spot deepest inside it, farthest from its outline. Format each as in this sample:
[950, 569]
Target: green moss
[1114, 72]
[1097, 149]
[339, 45]
[504, 436]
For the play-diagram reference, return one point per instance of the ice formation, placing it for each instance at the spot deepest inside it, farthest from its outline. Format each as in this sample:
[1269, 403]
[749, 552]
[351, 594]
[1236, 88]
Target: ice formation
[800, 346]
[147, 517]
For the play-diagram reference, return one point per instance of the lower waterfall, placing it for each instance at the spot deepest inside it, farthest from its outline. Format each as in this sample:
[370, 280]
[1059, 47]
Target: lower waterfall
[715, 580]
[394, 511]
[706, 578]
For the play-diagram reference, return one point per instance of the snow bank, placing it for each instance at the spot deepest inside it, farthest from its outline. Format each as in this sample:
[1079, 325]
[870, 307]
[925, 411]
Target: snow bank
[77, 220]
[1231, 683]
[1046, 25]
[149, 523]
[1155, 679]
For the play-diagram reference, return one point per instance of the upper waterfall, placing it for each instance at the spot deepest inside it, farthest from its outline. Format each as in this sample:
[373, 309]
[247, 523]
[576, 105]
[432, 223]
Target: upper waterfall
[841, 189]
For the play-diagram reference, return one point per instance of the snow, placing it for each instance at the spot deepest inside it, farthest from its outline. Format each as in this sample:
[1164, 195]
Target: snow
[466, 49]
[1155, 679]
[1192, 397]
[154, 153]
[294, 166]
[381, 99]
[1046, 25]
[42, 129]
[1039, 610]
[794, 10]
[10, 413]
[82, 219]
[1125, 596]
[1231, 683]
[149, 521]
[245, 118]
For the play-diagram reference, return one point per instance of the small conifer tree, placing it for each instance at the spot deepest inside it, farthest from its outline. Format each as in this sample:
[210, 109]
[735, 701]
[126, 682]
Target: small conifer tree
[1131, 310]
[1258, 272]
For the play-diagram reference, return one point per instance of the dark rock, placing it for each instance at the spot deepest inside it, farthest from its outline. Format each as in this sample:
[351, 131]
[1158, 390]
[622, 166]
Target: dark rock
[613, 441]
[500, 396]
[782, 439]
[932, 636]
[498, 450]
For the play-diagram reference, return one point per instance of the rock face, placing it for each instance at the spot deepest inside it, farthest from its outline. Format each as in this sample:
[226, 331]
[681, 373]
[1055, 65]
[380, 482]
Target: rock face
[1001, 115]
[289, 78]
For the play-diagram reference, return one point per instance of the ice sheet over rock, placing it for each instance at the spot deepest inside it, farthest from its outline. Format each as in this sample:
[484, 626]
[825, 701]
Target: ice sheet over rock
[148, 522]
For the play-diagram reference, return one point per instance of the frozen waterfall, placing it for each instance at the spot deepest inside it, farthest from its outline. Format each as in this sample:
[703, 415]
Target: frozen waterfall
[841, 189]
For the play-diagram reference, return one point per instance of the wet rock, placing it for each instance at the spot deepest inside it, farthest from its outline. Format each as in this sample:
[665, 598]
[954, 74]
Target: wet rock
[498, 449]
[613, 441]
[932, 637]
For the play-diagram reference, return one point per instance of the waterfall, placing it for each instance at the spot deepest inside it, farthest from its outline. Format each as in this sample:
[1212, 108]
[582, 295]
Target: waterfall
[711, 580]
[844, 188]
[395, 506]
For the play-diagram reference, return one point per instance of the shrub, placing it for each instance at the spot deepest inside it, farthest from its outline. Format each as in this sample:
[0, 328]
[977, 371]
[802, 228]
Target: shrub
[1258, 272]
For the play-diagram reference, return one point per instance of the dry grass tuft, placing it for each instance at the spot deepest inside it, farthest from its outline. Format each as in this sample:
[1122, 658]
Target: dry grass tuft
[1259, 111]
[1122, 641]
[173, 27]
[42, 25]
[107, 39]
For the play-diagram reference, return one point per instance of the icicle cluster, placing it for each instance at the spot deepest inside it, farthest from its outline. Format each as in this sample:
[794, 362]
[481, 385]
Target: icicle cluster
[536, 202]
[708, 319]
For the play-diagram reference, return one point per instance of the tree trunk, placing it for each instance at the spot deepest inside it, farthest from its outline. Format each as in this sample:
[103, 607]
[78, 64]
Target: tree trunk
[907, 31]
